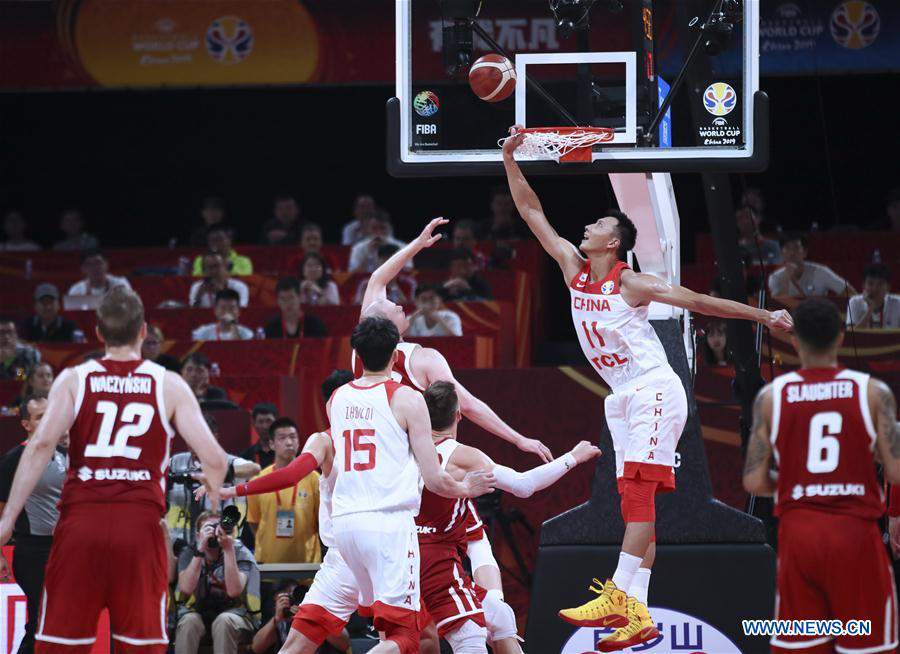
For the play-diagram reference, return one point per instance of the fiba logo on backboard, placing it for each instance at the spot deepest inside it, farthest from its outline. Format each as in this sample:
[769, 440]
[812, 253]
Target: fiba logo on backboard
[719, 99]
[678, 633]
[229, 40]
[855, 24]
[426, 104]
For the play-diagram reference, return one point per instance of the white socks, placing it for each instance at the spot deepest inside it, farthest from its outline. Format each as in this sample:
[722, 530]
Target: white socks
[628, 565]
[640, 583]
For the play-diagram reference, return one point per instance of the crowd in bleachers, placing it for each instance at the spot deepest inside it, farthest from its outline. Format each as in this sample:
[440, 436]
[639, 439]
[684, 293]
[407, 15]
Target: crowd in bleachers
[219, 297]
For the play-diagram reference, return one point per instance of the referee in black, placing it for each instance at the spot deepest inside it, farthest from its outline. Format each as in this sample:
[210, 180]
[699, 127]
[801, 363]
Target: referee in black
[33, 532]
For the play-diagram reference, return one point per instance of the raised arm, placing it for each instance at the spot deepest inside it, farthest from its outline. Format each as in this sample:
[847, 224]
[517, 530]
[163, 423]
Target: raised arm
[759, 478]
[187, 418]
[640, 288]
[431, 366]
[315, 451]
[521, 484]
[883, 407]
[57, 420]
[412, 414]
[376, 288]
[529, 206]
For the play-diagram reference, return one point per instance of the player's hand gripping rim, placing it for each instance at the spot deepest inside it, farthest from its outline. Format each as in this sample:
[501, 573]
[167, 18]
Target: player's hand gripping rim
[516, 136]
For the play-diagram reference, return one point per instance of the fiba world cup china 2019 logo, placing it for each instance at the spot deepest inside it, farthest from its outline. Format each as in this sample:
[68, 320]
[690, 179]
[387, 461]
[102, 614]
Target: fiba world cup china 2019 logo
[426, 104]
[679, 633]
[229, 40]
[855, 24]
[719, 99]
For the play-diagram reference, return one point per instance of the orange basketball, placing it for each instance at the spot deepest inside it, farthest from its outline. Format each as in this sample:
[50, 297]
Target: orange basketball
[493, 78]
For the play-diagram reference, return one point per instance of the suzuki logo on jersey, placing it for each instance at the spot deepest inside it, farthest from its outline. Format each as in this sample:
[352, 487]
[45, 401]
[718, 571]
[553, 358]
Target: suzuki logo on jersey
[420, 529]
[828, 490]
[113, 474]
[590, 304]
[607, 287]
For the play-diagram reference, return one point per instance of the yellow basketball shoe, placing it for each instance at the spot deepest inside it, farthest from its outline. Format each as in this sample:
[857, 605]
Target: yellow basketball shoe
[607, 610]
[640, 629]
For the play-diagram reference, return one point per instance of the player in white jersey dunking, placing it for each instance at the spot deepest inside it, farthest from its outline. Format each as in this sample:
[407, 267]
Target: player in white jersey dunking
[381, 434]
[647, 409]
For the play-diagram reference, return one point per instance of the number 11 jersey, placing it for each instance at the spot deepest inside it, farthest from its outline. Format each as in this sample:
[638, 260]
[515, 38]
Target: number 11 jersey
[120, 441]
[823, 439]
[375, 467]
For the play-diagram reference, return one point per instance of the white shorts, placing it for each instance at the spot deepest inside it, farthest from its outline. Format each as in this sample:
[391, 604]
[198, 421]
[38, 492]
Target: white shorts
[645, 419]
[334, 587]
[382, 551]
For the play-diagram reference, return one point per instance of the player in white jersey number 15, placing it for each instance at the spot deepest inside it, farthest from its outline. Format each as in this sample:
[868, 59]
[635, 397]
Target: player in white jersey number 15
[382, 443]
[647, 409]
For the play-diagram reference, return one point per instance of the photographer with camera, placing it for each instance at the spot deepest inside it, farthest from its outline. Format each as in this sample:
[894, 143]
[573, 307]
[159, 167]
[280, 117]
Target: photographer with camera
[218, 587]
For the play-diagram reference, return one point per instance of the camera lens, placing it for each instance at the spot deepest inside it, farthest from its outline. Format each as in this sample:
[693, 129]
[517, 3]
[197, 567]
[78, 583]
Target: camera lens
[212, 542]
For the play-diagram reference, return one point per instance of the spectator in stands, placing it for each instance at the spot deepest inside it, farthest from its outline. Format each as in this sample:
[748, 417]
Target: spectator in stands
[317, 287]
[151, 350]
[311, 242]
[752, 244]
[801, 278]
[16, 359]
[876, 306]
[284, 227]
[465, 235]
[212, 212]
[890, 221]
[47, 325]
[218, 239]
[71, 224]
[364, 255]
[216, 278]
[431, 318]
[97, 280]
[293, 322]
[271, 636]
[714, 344]
[364, 209]
[286, 523]
[36, 385]
[227, 309]
[218, 582]
[195, 371]
[15, 234]
[262, 417]
[400, 290]
[503, 224]
[465, 284]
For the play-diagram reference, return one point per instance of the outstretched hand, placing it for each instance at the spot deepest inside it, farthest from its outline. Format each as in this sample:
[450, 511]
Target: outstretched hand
[534, 446]
[780, 320]
[428, 238]
[516, 136]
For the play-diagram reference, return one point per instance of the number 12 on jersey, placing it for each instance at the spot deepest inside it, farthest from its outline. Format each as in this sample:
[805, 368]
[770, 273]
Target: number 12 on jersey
[353, 444]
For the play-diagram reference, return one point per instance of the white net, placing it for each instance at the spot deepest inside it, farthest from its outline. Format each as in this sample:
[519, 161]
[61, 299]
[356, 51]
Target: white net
[557, 144]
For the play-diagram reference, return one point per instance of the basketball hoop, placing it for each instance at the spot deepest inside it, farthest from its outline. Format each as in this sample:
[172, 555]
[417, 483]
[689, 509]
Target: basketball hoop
[563, 144]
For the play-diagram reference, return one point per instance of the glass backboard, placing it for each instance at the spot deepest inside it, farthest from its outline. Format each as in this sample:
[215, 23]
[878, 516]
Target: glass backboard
[614, 73]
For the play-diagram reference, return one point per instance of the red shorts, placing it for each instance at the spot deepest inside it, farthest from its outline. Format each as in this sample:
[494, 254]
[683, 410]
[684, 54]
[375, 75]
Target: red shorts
[105, 556]
[834, 567]
[448, 593]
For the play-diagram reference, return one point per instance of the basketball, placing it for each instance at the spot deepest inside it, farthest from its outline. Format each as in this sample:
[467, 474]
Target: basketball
[493, 78]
